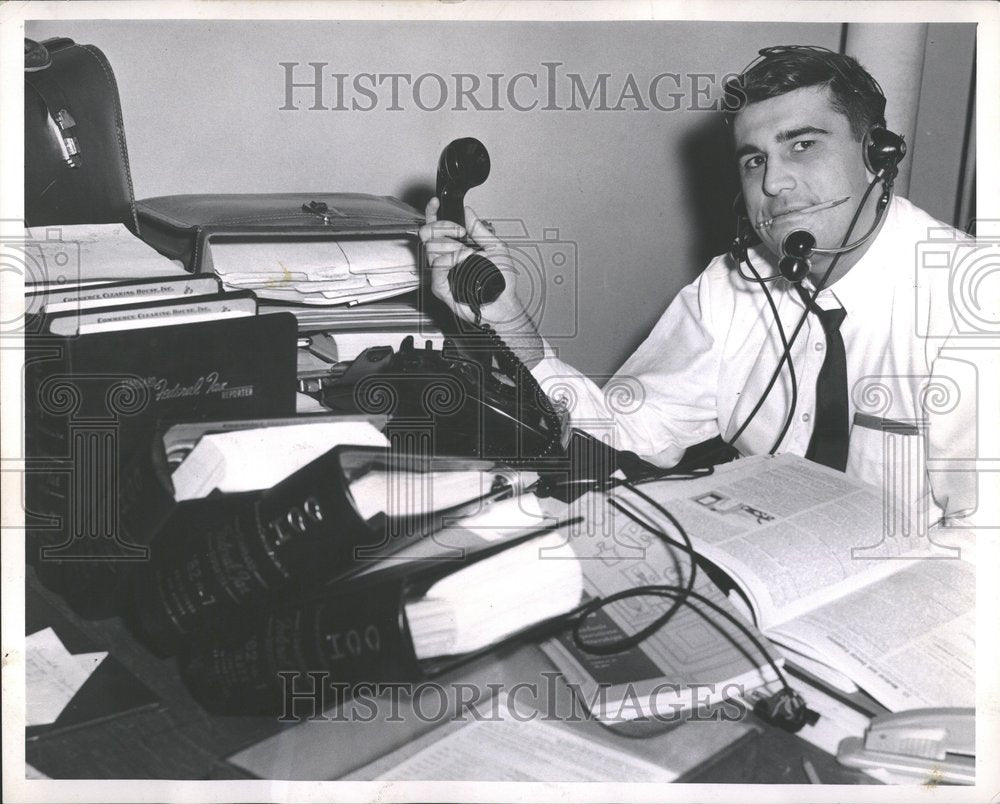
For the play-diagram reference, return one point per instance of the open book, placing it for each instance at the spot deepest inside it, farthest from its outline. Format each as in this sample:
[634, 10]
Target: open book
[688, 669]
[893, 612]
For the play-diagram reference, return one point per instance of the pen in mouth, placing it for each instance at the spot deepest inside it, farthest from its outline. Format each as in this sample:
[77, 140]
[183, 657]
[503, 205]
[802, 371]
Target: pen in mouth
[805, 210]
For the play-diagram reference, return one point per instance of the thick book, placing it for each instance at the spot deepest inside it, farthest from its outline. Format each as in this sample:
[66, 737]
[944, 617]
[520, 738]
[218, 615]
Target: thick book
[340, 514]
[96, 485]
[842, 593]
[388, 629]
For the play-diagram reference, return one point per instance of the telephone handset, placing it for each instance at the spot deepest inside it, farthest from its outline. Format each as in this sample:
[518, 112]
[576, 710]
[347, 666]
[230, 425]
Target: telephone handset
[935, 745]
[464, 164]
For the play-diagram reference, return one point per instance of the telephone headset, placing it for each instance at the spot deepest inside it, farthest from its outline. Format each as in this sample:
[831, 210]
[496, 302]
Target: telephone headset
[881, 149]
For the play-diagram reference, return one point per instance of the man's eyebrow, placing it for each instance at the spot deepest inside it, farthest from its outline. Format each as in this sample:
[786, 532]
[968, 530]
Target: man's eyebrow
[781, 136]
[792, 133]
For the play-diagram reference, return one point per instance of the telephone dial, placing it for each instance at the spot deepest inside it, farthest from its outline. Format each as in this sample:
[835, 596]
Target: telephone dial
[464, 407]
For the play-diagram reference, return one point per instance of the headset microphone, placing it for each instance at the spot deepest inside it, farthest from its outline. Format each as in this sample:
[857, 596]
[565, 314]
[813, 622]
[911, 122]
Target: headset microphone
[796, 249]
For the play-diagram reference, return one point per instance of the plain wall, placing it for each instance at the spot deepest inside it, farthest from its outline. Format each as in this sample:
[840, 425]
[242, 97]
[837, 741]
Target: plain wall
[643, 198]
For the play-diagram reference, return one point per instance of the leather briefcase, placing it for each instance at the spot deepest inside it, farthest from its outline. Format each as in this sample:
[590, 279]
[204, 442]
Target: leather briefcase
[75, 161]
[181, 226]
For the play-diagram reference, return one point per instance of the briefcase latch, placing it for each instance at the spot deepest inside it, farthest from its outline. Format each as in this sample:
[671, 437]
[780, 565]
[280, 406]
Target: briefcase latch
[320, 210]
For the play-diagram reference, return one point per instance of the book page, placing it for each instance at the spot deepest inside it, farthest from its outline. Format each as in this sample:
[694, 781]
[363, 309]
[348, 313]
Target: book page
[691, 663]
[792, 533]
[909, 641]
[486, 601]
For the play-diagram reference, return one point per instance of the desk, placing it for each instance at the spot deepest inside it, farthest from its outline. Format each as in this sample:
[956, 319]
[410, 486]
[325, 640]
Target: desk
[179, 740]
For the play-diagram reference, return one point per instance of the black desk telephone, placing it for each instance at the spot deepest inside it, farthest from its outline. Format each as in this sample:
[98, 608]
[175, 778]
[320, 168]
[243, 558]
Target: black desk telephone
[447, 403]
[474, 397]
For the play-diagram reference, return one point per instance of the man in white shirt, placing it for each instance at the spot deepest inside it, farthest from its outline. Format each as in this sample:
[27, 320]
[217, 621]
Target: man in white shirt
[801, 131]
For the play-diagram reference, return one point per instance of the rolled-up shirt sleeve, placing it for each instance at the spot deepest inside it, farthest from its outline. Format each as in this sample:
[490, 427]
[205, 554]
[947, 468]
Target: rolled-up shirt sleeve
[663, 399]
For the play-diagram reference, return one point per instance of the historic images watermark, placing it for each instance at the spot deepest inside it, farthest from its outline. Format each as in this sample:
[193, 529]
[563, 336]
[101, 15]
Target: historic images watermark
[547, 87]
[316, 696]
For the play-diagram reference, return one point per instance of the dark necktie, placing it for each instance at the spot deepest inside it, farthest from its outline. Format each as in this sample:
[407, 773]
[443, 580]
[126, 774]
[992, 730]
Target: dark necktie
[831, 433]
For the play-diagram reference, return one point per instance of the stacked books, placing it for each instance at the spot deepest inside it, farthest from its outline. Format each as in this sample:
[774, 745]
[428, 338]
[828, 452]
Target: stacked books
[423, 560]
[120, 340]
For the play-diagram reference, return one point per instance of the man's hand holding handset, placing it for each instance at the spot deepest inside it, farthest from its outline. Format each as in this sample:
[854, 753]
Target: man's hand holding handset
[508, 315]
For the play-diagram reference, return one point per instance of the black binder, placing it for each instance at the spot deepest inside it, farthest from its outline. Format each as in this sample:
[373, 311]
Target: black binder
[96, 486]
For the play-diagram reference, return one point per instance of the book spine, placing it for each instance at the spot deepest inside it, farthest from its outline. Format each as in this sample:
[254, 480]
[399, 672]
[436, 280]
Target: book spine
[202, 562]
[304, 658]
[240, 550]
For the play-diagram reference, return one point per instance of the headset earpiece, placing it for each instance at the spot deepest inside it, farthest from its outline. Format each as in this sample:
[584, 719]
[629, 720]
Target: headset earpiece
[882, 150]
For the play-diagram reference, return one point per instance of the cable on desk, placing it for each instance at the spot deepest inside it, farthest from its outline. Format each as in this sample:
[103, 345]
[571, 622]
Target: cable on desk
[785, 708]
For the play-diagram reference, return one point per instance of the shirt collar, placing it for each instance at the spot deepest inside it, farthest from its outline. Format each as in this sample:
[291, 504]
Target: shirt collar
[853, 291]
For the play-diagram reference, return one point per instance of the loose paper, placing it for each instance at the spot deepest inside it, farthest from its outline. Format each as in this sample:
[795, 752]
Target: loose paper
[53, 675]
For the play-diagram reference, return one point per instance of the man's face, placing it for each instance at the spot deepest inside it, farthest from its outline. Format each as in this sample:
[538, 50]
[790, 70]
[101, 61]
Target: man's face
[800, 168]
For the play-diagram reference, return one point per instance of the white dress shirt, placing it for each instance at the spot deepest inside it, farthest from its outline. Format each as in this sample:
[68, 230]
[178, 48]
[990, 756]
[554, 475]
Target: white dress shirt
[706, 363]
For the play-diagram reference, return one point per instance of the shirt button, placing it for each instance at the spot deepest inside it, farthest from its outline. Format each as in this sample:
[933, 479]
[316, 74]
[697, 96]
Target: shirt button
[818, 346]
[805, 417]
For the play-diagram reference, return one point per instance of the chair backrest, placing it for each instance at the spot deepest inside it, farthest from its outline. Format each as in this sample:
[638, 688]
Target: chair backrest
[76, 164]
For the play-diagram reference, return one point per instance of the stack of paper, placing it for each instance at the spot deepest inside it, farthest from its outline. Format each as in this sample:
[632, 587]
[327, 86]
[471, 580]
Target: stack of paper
[319, 272]
[398, 314]
[87, 254]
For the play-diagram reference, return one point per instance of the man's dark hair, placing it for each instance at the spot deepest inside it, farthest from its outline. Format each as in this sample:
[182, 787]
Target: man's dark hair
[779, 70]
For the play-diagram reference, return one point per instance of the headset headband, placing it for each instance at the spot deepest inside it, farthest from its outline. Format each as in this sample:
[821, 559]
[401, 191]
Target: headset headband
[821, 55]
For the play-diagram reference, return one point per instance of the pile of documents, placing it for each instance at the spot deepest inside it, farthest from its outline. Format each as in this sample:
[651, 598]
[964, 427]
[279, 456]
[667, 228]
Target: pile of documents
[318, 272]
[62, 256]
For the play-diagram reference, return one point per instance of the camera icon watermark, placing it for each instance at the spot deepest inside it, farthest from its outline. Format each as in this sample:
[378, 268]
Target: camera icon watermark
[545, 271]
[548, 268]
[42, 260]
[964, 271]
